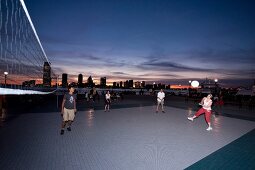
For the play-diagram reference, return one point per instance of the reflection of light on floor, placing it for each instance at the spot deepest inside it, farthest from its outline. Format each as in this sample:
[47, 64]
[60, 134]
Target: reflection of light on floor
[216, 122]
[90, 117]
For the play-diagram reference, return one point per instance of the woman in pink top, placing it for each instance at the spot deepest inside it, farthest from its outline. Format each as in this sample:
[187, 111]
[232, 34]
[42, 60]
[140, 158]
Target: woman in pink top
[206, 103]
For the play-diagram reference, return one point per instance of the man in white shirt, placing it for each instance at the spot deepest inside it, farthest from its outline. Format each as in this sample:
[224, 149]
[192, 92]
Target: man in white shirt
[160, 100]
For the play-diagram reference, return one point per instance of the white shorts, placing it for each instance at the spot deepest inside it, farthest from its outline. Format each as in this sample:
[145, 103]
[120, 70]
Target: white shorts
[68, 114]
[160, 102]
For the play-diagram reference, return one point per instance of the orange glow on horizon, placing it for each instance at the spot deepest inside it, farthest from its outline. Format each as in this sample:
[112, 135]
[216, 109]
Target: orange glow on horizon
[180, 86]
[175, 86]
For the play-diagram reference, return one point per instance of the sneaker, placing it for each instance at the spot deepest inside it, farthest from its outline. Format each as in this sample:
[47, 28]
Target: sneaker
[156, 111]
[163, 111]
[209, 128]
[69, 128]
[62, 132]
[191, 118]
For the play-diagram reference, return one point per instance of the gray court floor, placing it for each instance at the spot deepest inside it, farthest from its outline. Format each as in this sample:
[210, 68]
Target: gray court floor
[127, 138]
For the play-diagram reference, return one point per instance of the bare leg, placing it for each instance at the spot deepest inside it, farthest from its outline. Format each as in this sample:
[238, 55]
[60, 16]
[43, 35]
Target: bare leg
[70, 123]
[162, 106]
[63, 125]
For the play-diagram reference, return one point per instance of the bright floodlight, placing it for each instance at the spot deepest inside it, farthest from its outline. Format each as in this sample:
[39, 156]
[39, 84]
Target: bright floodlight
[194, 83]
[215, 80]
[5, 73]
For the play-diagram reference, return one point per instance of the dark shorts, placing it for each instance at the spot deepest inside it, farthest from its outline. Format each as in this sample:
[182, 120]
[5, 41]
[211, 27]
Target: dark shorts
[107, 102]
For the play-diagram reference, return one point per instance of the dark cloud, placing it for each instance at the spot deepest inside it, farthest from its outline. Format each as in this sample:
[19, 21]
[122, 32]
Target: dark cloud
[57, 70]
[119, 73]
[171, 66]
[72, 54]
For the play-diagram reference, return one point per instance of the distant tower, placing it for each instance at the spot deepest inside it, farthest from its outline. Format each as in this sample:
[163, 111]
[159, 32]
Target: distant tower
[143, 84]
[137, 84]
[80, 80]
[114, 84]
[126, 84]
[64, 80]
[90, 82]
[103, 82]
[46, 75]
[130, 83]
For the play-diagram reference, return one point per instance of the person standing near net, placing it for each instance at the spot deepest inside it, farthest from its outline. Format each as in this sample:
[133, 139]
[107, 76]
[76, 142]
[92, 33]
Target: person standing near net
[107, 101]
[206, 104]
[68, 110]
[160, 100]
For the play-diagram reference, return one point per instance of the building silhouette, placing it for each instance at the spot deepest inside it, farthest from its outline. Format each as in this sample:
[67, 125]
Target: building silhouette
[137, 84]
[80, 80]
[126, 84]
[121, 84]
[149, 86]
[64, 80]
[210, 86]
[103, 82]
[114, 84]
[90, 82]
[30, 83]
[143, 84]
[130, 83]
[46, 75]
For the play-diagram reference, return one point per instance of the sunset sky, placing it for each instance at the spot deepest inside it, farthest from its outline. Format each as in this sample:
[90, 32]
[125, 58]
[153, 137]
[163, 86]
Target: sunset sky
[151, 40]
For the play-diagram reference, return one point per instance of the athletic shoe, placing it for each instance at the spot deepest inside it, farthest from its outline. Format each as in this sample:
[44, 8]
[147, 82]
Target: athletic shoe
[163, 111]
[69, 128]
[191, 118]
[156, 111]
[62, 132]
[209, 128]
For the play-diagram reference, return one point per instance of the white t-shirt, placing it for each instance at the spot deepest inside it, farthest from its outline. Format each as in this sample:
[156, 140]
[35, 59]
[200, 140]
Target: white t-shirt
[207, 104]
[107, 96]
[161, 96]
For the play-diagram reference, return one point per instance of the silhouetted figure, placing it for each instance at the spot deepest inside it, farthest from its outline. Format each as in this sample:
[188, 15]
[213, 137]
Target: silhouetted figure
[3, 107]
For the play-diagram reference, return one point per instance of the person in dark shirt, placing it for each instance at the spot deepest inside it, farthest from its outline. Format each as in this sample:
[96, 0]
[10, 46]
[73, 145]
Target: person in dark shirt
[68, 109]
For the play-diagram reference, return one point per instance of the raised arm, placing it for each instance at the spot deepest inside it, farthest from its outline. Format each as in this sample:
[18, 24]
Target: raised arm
[202, 101]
